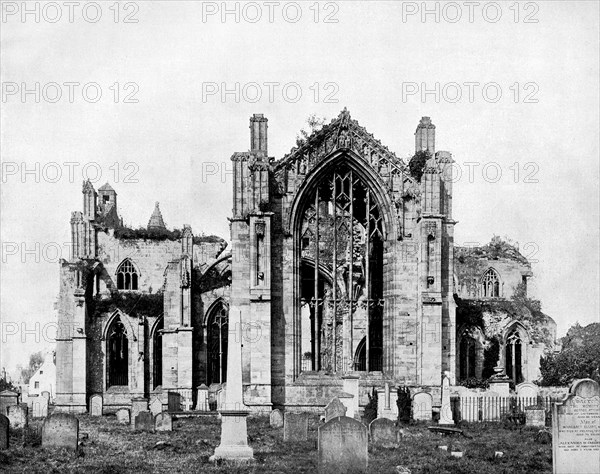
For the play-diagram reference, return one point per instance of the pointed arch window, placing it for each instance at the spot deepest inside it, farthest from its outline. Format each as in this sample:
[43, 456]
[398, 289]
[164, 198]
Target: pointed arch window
[117, 353]
[218, 323]
[340, 231]
[490, 284]
[157, 354]
[127, 276]
[514, 356]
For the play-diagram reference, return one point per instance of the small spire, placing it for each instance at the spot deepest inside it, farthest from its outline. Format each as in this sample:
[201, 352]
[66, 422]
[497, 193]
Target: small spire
[156, 220]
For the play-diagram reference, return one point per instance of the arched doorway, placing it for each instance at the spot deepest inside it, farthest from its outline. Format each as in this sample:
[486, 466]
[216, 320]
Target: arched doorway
[217, 328]
[117, 354]
[341, 230]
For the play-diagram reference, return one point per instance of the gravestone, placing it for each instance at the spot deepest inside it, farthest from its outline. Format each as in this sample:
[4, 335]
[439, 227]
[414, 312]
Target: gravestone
[576, 430]
[163, 422]
[144, 421]
[334, 409]
[174, 403]
[535, 416]
[17, 415]
[422, 406]
[446, 408]
[60, 430]
[156, 406]
[4, 431]
[343, 446]
[276, 419]
[96, 405]
[295, 427]
[8, 398]
[527, 390]
[137, 405]
[202, 399]
[123, 416]
[383, 431]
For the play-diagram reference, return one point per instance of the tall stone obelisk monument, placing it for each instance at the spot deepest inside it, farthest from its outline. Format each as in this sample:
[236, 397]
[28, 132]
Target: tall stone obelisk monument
[234, 429]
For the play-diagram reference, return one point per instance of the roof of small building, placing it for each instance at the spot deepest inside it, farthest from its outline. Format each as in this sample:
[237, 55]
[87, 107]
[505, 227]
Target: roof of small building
[106, 187]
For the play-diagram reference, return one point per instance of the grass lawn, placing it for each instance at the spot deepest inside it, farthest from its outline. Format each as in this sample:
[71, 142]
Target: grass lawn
[114, 448]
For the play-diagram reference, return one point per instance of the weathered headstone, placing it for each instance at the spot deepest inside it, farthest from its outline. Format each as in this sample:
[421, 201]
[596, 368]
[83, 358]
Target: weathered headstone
[123, 416]
[404, 404]
[137, 405]
[446, 408]
[343, 446]
[96, 405]
[422, 406]
[60, 430]
[174, 402]
[383, 431]
[17, 415]
[535, 416]
[576, 430]
[276, 419]
[156, 406]
[163, 422]
[527, 390]
[4, 431]
[8, 398]
[202, 398]
[144, 421]
[295, 427]
[334, 409]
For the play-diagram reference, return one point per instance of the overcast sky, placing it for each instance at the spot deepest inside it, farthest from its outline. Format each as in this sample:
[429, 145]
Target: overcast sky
[165, 133]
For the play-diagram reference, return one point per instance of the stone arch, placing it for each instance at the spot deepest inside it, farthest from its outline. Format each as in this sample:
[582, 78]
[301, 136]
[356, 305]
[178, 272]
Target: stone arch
[125, 319]
[469, 352]
[514, 354]
[369, 210]
[365, 172]
[217, 325]
[490, 284]
[156, 351]
[127, 275]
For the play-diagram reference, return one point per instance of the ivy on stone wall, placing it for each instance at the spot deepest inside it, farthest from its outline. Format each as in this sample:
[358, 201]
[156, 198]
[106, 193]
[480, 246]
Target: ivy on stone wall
[142, 233]
[490, 315]
[133, 303]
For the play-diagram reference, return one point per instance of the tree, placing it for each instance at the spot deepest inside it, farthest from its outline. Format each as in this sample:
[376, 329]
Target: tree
[35, 362]
[314, 123]
[579, 357]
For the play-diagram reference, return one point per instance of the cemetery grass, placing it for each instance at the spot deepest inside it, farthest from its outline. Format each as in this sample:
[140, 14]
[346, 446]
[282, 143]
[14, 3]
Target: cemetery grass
[113, 448]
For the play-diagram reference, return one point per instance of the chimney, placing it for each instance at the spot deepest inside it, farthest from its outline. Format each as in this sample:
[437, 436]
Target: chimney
[425, 136]
[258, 133]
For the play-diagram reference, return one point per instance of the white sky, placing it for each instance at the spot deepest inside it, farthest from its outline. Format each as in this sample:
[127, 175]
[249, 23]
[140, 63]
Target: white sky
[172, 134]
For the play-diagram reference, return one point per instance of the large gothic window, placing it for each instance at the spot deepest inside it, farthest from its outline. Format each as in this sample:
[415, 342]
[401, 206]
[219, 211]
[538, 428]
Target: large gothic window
[127, 276]
[117, 354]
[340, 240]
[490, 284]
[218, 323]
[157, 354]
[514, 357]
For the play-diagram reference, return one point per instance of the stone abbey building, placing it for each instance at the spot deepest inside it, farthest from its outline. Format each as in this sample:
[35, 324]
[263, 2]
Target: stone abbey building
[342, 264]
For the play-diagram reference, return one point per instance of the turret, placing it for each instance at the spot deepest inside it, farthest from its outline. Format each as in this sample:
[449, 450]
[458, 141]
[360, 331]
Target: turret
[156, 220]
[425, 136]
[258, 133]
